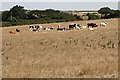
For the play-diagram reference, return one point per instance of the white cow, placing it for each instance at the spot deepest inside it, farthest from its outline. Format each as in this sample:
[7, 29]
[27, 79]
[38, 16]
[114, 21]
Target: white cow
[103, 24]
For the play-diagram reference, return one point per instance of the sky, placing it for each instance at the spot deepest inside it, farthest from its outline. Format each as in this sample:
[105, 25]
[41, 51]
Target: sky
[60, 4]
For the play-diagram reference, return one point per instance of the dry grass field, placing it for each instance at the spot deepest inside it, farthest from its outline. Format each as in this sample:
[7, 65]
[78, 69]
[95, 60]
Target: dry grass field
[61, 54]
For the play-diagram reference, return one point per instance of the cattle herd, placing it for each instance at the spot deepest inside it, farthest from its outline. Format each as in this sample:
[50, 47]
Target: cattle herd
[37, 28]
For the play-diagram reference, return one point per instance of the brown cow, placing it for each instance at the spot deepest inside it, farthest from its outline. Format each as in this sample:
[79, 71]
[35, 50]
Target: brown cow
[12, 32]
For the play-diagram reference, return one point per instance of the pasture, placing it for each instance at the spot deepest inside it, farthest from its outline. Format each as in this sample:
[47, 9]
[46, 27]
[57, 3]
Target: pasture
[67, 54]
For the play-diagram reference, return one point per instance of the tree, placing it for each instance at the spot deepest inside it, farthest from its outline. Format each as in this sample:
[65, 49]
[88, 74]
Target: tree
[78, 17]
[105, 11]
[18, 11]
[116, 14]
[92, 16]
[112, 14]
[5, 15]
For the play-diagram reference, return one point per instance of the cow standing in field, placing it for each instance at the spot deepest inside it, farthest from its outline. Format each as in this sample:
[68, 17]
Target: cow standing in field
[35, 28]
[74, 26]
[38, 28]
[49, 28]
[92, 25]
[103, 24]
[17, 30]
[12, 32]
[60, 29]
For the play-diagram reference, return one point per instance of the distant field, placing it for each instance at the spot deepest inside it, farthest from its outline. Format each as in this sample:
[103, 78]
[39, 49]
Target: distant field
[80, 12]
[55, 54]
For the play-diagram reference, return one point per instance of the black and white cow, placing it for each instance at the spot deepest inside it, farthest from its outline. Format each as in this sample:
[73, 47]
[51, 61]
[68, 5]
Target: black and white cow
[49, 28]
[74, 26]
[35, 28]
[60, 29]
[17, 30]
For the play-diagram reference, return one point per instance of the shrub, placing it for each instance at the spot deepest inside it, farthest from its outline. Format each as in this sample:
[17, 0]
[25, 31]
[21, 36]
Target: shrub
[92, 16]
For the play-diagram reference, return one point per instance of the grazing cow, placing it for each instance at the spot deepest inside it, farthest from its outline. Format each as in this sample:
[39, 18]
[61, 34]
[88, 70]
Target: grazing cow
[17, 30]
[92, 25]
[60, 29]
[72, 26]
[51, 28]
[35, 28]
[12, 32]
[103, 24]
[48, 29]
[38, 28]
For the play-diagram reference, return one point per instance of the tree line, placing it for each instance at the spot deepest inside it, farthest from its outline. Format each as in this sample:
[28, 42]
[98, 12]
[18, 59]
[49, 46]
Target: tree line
[20, 16]
[17, 15]
[105, 12]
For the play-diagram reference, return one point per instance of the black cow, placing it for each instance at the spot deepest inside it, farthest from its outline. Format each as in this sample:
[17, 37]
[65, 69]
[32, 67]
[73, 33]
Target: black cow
[61, 29]
[51, 28]
[71, 26]
[92, 25]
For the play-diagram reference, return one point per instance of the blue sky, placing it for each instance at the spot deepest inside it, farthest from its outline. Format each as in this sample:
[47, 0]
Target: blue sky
[86, 5]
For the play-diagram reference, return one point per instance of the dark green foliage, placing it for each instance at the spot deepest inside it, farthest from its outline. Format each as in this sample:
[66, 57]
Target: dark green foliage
[109, 13]
[78, 17]
[19, 16]
[51, 14]
[18, 11]
[92, 16]
[5, 15]
[15, 12]
[11, 19]
[104, 12]
[115, 14]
